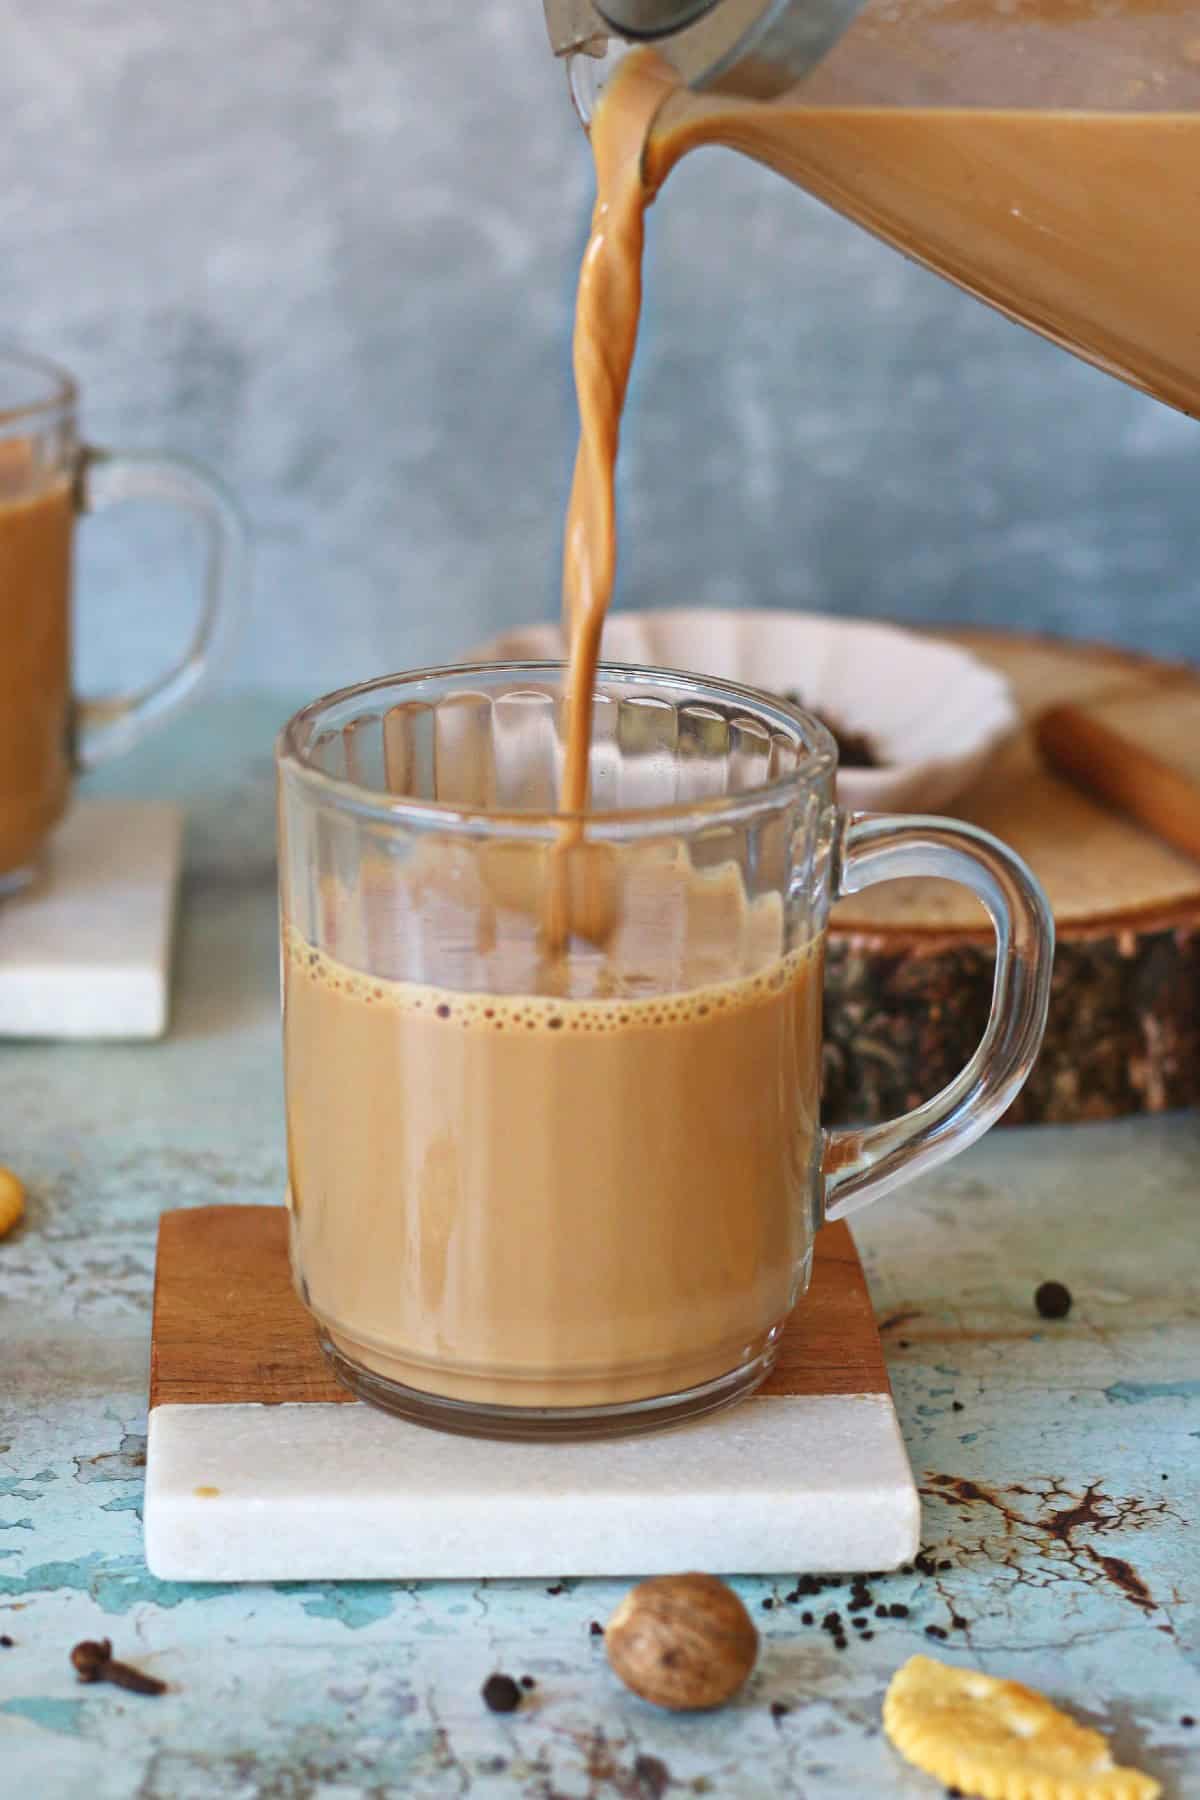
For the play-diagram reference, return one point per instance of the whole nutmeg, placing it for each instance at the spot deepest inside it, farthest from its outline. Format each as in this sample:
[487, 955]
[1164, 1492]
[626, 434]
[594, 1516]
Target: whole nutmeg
[682, 1641]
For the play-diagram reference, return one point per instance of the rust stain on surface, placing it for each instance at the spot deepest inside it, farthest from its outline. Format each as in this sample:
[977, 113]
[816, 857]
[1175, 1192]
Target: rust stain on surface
[1125, 1578]
[1026, 1524]
[645, 1778]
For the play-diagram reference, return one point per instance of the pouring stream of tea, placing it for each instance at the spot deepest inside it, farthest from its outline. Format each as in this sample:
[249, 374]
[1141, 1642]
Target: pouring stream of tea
[1076, 222]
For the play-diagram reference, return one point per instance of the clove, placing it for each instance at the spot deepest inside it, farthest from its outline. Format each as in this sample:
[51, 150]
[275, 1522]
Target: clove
[95, 1662]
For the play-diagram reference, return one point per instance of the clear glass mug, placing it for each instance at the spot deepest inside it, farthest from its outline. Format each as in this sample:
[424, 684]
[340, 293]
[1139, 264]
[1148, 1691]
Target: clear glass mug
[48, 477]
[567, 1185]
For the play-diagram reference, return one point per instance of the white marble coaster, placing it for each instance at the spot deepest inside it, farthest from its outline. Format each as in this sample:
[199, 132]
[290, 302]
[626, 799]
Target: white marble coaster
[86, 951]
[261, 1467]
[776, 1485]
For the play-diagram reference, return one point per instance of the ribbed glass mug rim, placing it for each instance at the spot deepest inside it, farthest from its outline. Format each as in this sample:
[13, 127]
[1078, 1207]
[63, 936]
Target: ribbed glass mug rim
[816, 769]
[60, 393]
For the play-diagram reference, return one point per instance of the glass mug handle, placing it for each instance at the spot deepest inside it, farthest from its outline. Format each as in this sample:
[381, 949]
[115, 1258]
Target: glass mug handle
[110, 726]
[859, 1164]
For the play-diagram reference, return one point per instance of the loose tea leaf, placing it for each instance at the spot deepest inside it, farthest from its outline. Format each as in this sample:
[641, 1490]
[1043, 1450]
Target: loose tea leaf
[855, 749]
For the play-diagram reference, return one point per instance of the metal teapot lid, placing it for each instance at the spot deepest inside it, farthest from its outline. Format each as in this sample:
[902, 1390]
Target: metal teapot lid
[652, 18]
[757, 48]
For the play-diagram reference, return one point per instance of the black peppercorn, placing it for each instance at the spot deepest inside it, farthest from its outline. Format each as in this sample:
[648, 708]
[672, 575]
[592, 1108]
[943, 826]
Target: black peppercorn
[1053, 1300]
[501, 1694]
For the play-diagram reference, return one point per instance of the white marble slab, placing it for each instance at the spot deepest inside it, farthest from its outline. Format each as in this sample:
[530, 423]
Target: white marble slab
[325, 1492]
[86, 951]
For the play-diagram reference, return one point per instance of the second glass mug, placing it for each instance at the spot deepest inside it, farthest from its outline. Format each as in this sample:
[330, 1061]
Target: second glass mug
[48, 477]
[570, 1188]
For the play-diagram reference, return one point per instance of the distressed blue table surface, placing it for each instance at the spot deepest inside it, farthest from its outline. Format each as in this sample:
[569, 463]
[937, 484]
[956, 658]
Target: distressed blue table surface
[1058, 1461]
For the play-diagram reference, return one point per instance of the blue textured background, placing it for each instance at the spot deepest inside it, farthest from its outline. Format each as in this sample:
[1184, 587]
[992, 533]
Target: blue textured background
[329, 249]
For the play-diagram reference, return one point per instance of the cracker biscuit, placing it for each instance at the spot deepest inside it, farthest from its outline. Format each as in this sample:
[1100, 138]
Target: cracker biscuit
[12, 1202]
[999, 1740]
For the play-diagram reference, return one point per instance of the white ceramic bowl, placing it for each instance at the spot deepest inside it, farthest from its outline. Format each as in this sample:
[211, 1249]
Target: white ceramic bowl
[934, 713]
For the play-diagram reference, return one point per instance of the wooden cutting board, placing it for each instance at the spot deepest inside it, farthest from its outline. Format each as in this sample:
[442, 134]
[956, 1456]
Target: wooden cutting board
[910, 964]
[260, 1467]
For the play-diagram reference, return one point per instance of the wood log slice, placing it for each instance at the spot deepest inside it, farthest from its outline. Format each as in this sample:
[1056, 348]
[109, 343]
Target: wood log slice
[910, 964]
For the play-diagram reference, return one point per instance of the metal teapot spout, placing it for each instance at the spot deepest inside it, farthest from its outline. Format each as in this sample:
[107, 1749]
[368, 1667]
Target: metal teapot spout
[576, 28]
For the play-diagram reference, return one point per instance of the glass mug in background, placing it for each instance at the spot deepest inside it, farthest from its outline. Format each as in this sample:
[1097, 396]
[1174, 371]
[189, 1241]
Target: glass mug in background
[47, 477]
[571, 1189]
